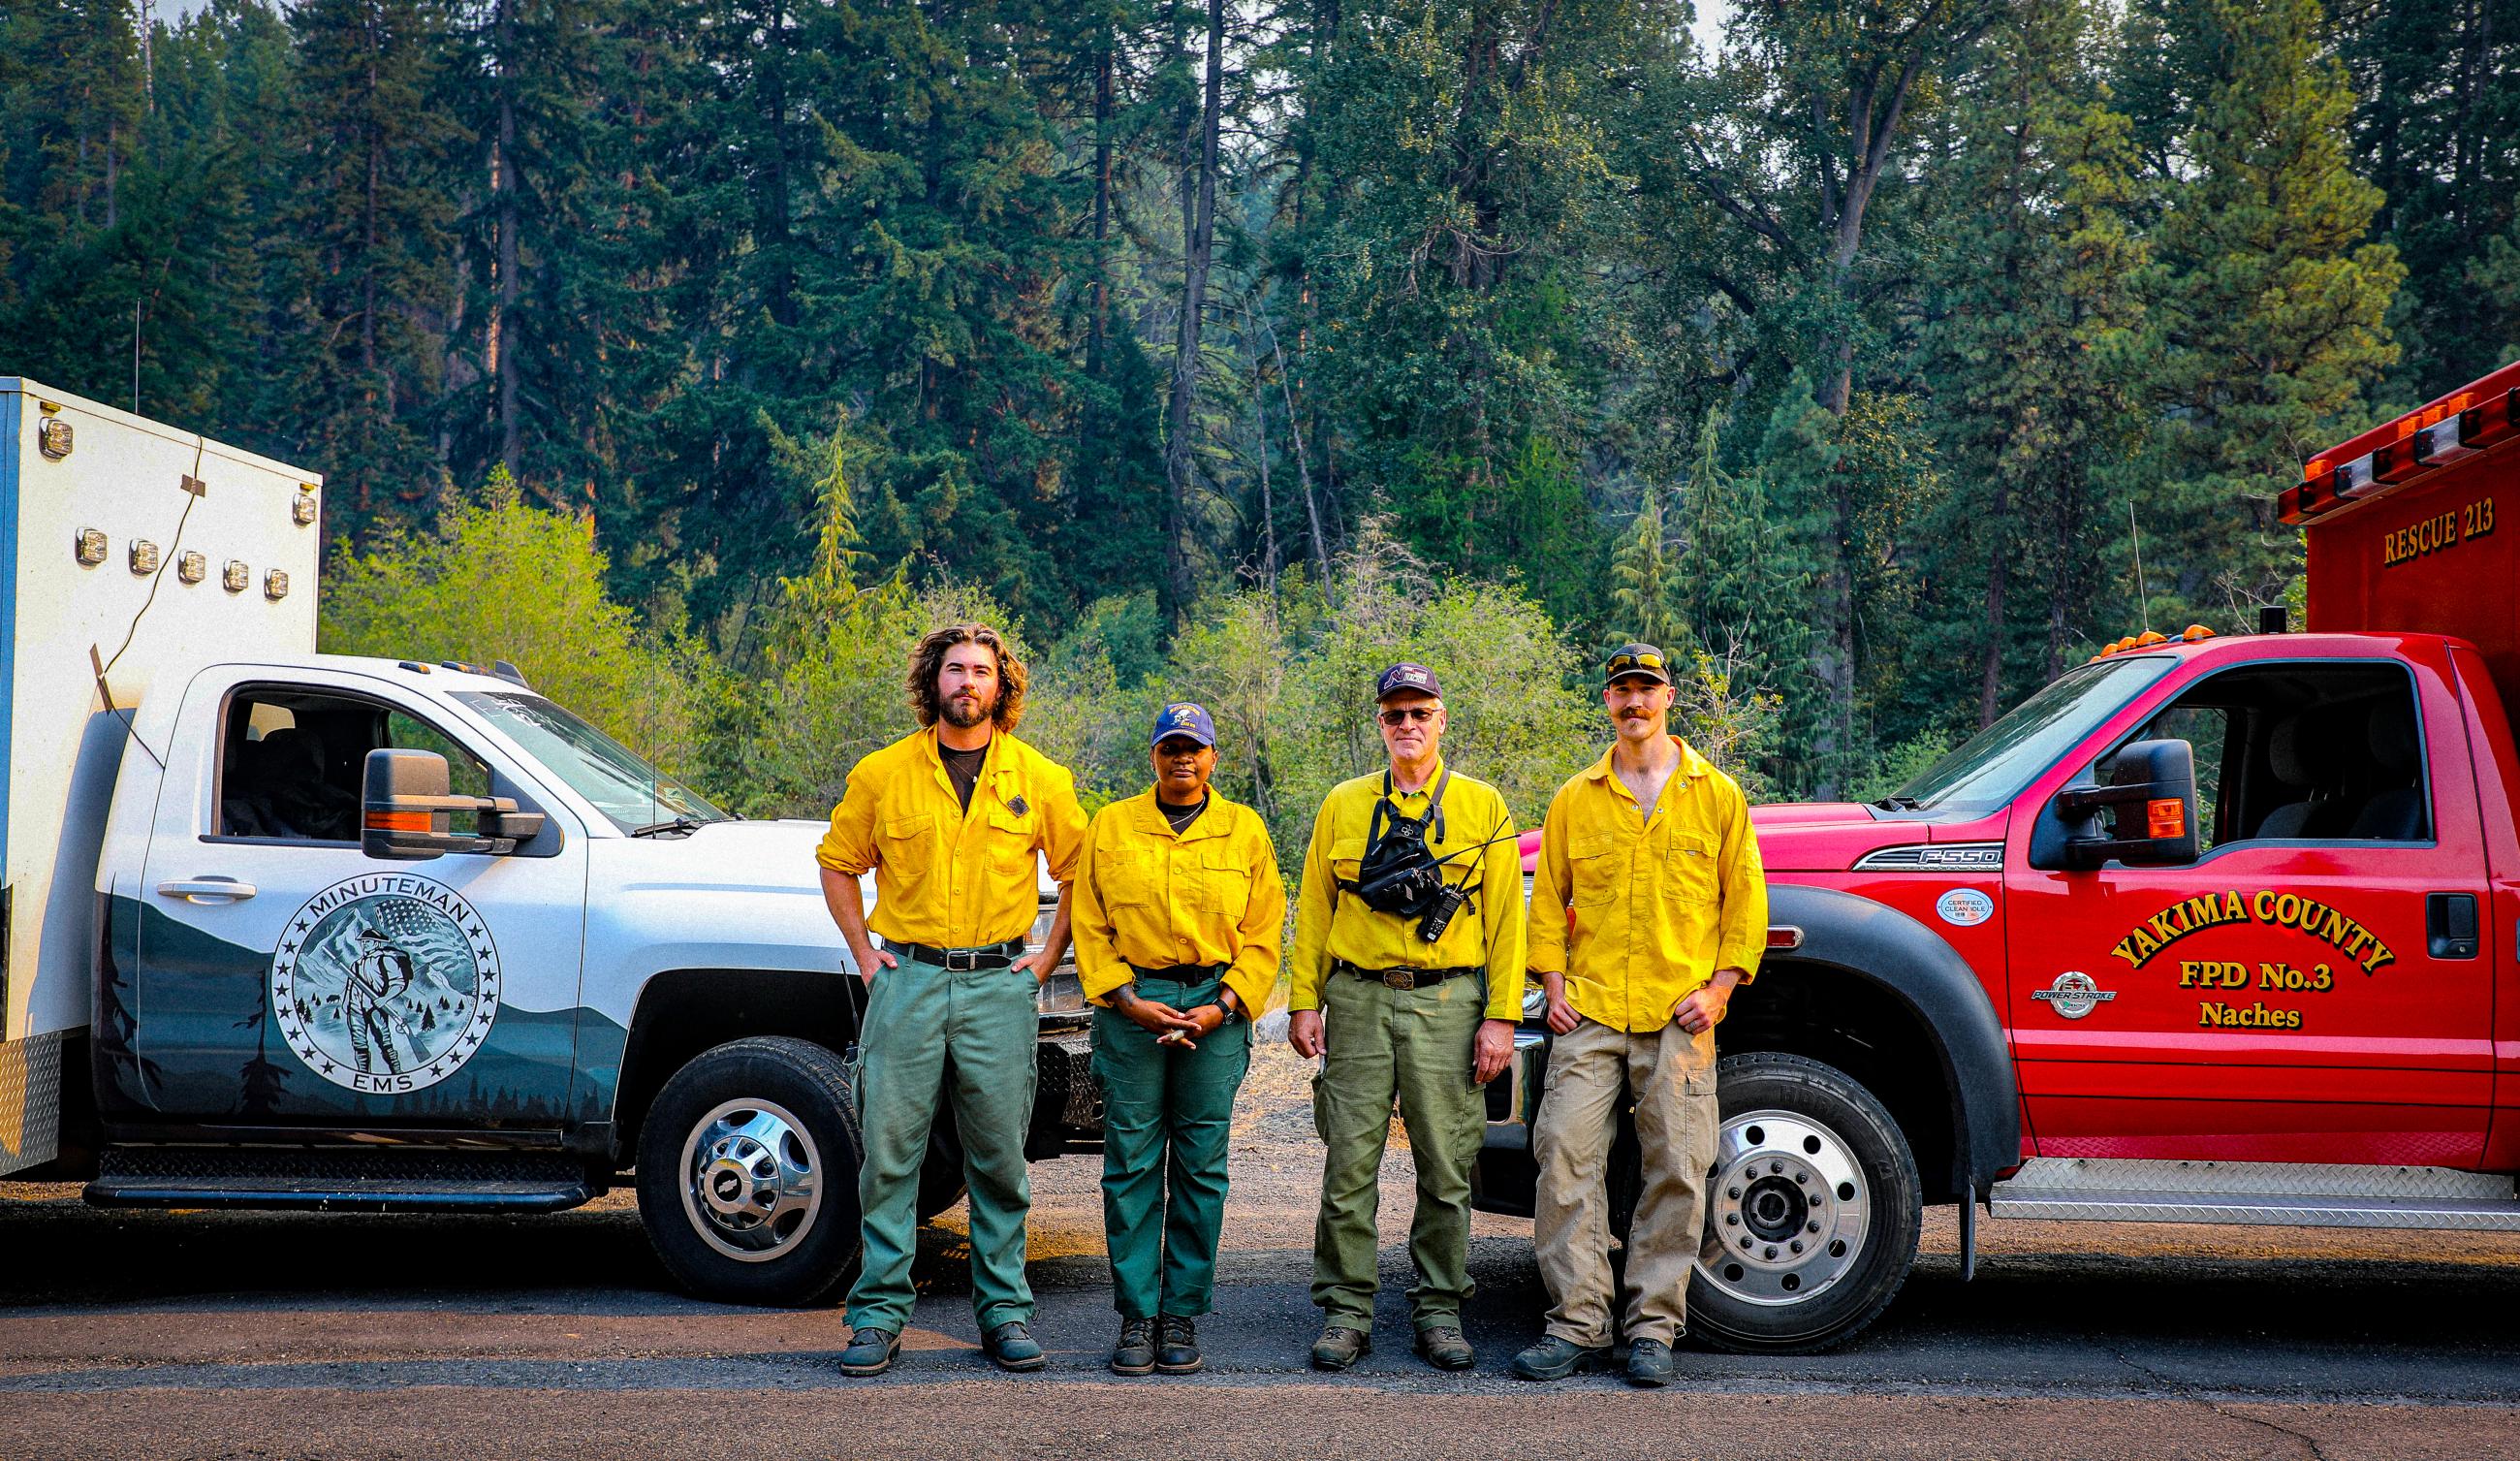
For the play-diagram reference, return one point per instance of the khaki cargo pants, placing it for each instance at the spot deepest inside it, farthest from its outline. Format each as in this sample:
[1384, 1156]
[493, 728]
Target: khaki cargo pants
[1670, 1075]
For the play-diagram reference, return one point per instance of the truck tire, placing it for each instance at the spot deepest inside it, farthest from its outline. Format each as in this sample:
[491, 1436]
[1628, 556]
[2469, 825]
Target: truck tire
[748, 1173]
[1813, 1214]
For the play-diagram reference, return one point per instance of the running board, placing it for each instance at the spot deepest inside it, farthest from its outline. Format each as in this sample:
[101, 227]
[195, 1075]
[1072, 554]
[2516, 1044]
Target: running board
[2257, 1193]
[317, 1181]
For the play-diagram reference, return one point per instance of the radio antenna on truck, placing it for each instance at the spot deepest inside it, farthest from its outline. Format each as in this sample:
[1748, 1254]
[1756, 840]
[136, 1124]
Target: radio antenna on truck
[2142, 599]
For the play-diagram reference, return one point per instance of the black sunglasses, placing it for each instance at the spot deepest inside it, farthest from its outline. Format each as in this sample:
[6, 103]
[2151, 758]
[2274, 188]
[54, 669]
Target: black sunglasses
[1420, 713]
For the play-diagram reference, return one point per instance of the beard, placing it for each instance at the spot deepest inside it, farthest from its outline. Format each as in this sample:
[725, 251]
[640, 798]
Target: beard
[966, 710]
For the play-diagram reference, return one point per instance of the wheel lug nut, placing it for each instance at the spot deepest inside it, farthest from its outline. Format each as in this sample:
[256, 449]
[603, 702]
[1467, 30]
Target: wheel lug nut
[1732, 1219]
[1772, 1253]
[1734, 1193]
[1796, 1245]
[1774, 1167]
[1811, 1227]
[1745, 1244]
[1802, 1179]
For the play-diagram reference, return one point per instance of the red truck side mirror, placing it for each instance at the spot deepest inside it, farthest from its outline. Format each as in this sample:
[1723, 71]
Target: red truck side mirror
[2148, 807]
[406, 814]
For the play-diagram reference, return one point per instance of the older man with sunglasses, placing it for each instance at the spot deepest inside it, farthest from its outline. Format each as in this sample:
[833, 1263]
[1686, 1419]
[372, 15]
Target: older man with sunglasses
[1406, 981]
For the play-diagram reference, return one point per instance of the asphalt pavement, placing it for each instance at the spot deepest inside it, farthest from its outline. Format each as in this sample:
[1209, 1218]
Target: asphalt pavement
[171, 1335]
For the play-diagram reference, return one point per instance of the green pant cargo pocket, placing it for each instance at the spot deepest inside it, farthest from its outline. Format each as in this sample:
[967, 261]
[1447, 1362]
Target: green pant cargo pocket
[1321, 1108]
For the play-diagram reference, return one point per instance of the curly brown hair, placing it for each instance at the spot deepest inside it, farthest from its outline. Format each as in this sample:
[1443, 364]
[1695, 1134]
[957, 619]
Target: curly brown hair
[929, 661]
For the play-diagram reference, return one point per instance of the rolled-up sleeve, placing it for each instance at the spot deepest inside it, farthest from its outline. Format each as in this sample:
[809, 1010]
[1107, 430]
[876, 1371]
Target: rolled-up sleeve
[1743, 936]
[1500, 875]
[1254, 975]
[1063, 832]
[848, 844]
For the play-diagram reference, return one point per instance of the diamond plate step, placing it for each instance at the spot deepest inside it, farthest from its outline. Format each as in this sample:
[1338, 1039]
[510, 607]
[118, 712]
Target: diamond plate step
[2257, 1193]
[338, 1181]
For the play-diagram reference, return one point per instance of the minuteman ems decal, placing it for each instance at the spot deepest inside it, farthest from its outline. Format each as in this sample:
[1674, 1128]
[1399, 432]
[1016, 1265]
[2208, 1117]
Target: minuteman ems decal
[385, 983]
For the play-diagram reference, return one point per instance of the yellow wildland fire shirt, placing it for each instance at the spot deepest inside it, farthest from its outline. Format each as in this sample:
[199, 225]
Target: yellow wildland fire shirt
[1660, 902]
[943, 876]
[1150, 897]
[1332, 924]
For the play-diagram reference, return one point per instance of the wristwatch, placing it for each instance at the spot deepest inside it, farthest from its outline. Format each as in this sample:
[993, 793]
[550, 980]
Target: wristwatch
[1231, 1006]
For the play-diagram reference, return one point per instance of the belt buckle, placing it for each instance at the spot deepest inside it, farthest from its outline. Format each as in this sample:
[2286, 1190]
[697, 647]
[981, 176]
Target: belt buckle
[1400, 979]
[962, 960]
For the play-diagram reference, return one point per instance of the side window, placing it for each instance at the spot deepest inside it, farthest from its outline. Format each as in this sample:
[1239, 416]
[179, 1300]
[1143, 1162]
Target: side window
[2306, 752]
[293, 763]
[2208, 730]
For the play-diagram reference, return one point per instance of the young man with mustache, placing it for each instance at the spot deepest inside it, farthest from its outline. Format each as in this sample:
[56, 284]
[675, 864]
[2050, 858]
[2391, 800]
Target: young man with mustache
[1651, 849]
[950, 820]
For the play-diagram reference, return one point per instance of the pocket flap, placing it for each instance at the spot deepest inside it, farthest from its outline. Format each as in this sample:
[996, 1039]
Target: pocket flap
[915, 824]
[1592, 845]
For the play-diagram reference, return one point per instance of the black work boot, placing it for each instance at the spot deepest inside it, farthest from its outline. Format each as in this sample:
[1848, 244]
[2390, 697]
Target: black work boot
[1135, 1353]
[1554, 1358]
[1177, 1346]
[1442, 1346]
[1340, 1346]
[1649, 1364]
[871, 1351]
[1012, 1347]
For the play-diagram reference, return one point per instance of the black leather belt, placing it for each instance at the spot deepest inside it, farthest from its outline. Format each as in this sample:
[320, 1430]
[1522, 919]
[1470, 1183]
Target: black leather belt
[1180, 974]
[1403, 978]
[986, 956]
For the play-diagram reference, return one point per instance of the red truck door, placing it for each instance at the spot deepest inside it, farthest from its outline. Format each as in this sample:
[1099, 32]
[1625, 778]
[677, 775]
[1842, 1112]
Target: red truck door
[2315, 987]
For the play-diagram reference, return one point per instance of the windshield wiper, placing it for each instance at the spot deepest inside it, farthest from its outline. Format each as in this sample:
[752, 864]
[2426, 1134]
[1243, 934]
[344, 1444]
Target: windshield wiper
[683, 825]
[1900, 803]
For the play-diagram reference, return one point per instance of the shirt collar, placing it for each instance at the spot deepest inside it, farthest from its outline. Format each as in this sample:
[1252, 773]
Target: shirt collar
[1691, 766]
[1147, 816]
[1434, 779]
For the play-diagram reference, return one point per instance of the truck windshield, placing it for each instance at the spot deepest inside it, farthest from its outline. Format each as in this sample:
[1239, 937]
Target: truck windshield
[625, 788]
[1992, 767]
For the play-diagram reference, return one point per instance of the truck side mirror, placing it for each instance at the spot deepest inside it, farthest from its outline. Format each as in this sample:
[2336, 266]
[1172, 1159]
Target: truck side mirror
[2150, 807]
[407, 815]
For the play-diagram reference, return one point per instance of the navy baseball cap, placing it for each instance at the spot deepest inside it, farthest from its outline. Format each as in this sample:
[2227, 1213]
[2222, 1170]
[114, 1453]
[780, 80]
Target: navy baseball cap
[1184, 719]
[1641, 659]
[1405, 676]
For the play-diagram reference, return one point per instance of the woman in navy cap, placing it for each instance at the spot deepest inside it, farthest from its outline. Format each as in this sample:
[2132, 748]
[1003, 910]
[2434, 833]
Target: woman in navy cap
[1178, 911]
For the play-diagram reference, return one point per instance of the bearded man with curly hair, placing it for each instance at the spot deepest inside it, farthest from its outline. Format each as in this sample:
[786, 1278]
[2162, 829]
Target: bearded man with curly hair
[951, 820]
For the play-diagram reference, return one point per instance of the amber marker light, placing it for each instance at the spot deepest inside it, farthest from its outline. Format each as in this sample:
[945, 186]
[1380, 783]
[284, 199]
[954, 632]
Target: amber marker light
[2165, 816]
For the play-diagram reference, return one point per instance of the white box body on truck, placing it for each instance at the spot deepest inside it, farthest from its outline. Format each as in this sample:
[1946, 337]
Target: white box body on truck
[298, 929]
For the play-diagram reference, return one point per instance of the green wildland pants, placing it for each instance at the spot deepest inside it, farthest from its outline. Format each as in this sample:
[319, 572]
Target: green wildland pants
[1415, 1045]
[934, 1036]
[1167, 1114]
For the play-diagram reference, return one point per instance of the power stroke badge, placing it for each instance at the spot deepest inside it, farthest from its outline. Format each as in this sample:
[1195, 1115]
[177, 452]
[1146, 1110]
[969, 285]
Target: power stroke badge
[385, 983]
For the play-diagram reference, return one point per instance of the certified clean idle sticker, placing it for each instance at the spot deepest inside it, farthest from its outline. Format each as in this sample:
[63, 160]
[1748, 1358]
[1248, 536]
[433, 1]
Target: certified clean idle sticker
[1965, 907]
[385, 983]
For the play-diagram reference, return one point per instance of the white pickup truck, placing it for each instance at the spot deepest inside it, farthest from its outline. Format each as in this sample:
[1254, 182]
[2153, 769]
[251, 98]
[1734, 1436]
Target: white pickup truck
[293, 930]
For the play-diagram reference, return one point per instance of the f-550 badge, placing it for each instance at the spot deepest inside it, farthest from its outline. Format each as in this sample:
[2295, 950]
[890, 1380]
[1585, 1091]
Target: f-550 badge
[385, 983]
[2074, 994]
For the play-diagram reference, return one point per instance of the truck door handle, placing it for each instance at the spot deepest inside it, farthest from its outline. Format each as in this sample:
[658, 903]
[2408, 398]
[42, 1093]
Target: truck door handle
[210, 890]
[2450, 925]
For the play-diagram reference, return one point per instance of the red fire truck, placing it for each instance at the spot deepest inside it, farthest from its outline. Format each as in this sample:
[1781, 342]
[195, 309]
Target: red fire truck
[2214, 928]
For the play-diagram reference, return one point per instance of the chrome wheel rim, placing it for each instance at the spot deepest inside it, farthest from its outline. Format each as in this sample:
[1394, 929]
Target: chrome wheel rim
[752, 1180]
[1788, 1210]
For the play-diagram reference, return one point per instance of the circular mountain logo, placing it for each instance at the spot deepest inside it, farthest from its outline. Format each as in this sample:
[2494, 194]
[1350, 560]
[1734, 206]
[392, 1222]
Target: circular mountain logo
[385, 983]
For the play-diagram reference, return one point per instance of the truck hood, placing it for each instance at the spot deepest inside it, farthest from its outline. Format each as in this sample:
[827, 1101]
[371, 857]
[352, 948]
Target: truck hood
[770, 857]
[1828, 837]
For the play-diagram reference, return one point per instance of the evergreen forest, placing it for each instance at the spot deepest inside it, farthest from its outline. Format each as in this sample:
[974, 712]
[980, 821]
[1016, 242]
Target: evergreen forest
[1881, 360]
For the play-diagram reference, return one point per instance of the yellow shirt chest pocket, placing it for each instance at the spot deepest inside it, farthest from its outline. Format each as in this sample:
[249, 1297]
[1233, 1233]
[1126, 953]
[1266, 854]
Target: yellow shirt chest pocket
[1690, 868]
[1011, 837]
[907, 845]
[1221, 882]
[1596, 867]
[1129, 877]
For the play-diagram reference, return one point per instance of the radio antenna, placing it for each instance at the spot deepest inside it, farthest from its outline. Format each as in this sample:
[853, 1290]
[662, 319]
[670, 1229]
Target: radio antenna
[2142, 599]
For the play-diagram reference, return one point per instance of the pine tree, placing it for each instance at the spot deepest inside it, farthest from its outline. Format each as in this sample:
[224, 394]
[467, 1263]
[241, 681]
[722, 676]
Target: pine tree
[1643, 589]
[2270, 323]
[367, 269]
[2034, 296]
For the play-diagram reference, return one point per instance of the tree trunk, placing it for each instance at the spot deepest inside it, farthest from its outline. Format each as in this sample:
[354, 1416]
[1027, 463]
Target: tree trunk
[502, 348]
[1198, 235]
[1098, 329]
